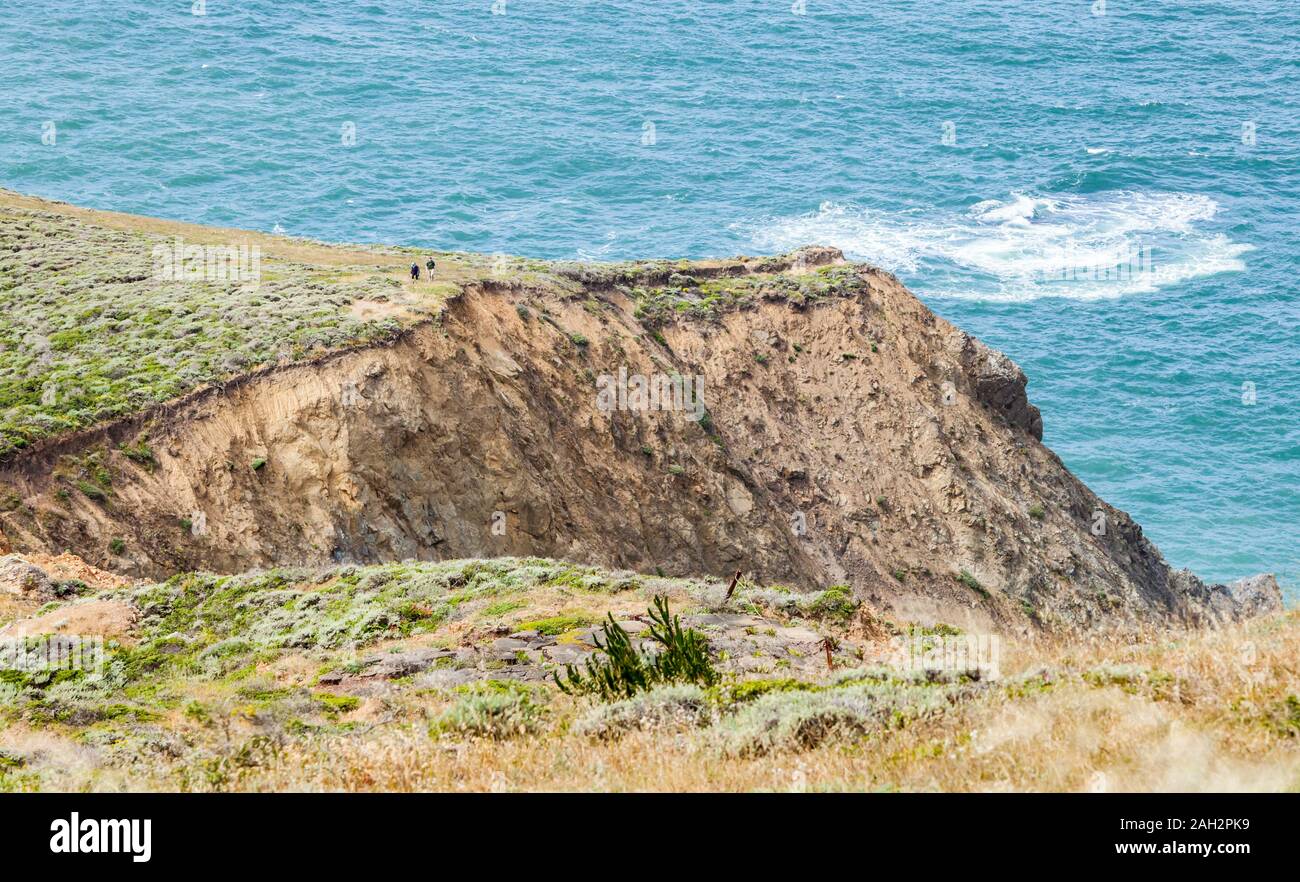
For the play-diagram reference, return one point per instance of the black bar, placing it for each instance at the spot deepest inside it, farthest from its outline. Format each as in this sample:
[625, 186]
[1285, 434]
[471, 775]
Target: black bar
[552, 831]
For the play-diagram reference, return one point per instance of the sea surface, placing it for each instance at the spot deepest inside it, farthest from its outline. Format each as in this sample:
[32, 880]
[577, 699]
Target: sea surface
[1108, 191]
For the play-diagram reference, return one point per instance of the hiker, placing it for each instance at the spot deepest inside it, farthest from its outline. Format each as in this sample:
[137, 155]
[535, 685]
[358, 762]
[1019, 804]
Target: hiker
[415, 272]
[429, 266]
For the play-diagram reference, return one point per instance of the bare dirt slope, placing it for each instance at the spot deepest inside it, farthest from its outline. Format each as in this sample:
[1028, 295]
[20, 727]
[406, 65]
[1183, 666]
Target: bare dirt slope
[851, 436]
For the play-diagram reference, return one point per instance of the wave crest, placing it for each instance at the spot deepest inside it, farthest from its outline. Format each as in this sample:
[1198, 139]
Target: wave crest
[1028, 246]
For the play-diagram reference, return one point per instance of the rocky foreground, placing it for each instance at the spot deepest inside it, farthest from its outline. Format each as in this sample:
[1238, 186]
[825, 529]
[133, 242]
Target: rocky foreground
[441, 676]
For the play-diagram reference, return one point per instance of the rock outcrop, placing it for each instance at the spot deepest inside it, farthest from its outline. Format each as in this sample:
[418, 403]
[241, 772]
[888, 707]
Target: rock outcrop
[843, 434]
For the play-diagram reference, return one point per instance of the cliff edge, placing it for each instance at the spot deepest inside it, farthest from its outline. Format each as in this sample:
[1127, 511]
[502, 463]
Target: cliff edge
[800, 418]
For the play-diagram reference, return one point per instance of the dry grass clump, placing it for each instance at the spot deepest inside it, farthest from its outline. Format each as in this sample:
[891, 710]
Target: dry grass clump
[494, 709]
[664, 709]
[797, 720]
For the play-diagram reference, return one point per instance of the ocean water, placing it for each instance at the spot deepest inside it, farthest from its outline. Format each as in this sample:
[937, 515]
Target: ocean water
[1109, 192]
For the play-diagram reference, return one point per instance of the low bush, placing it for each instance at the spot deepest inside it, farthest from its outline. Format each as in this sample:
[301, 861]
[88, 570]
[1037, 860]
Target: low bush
[618, 670]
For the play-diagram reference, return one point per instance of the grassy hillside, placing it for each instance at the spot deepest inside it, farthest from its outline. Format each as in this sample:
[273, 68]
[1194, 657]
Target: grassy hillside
[90, 329]
[405, 676]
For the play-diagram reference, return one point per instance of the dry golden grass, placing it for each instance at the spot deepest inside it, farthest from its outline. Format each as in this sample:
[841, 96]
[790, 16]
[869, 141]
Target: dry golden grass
[1162, 710]
[1208, 713]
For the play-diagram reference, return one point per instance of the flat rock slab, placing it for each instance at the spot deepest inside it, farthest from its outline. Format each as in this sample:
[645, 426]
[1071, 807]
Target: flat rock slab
[390, 666]
[726, 620]
[798, 635]
[566, 653]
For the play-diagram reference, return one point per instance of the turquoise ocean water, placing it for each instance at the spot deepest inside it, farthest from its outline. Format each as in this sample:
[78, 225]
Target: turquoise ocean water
[1113, 199]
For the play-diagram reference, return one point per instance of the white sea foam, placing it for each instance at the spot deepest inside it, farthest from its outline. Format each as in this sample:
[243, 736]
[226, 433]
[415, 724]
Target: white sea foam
[1028, 245]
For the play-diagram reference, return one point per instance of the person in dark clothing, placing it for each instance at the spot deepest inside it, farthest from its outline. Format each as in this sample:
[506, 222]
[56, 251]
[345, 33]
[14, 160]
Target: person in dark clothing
[429, 266]
[415, 272]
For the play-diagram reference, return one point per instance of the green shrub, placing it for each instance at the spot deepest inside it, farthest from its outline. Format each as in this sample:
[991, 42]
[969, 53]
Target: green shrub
[620, 671]
[749, 690]
[333, 703]
[92, 491]
[493, 709]
[661, 709]
[969, 580]
[1286, 717]
[836, 602]
[795, 720]
[140, 453]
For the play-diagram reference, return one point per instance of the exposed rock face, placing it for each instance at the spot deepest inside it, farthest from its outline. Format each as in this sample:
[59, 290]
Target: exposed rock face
[855, 439]
[17, 576]
[999, 383]
[1254, 596]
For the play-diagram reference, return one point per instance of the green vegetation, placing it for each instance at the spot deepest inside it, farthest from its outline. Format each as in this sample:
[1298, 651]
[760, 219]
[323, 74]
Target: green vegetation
[685, 296]
[92, 491]
[557, 625]
[258, 682]
[502, 607]
[337, 704]
[794, 719]
[836, 602]
[968, 579]
[140, 453]
[90, 331]
[492, 709]
[660, 708]
[1286, 717]
[683, 657]
[1037, 512]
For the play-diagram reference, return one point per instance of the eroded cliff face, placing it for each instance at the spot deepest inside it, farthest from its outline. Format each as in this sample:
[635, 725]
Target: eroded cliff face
[851, 439]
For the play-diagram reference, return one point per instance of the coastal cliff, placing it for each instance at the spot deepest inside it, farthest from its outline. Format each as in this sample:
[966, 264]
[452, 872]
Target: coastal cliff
[836, 431]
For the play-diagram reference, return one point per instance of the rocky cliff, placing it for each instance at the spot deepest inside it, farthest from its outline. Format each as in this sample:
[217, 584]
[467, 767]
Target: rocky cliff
[828, 428]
